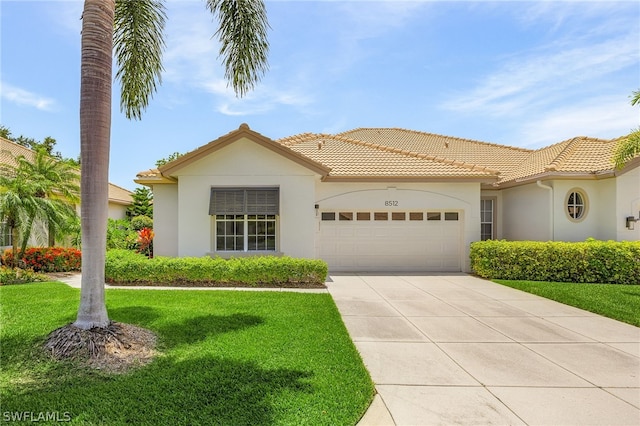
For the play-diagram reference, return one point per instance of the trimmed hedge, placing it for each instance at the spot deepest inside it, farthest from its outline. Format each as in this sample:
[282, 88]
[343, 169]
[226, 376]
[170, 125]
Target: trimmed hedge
[46, 259]
[124, 267]
[591, 261]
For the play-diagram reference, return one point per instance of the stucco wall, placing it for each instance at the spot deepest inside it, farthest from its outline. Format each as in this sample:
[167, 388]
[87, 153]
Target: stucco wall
[598, 221]
[525, 213]
[628, 204]
[117, 211]
[461, 197]
[528, 213]
[245, 163]
[165, 219]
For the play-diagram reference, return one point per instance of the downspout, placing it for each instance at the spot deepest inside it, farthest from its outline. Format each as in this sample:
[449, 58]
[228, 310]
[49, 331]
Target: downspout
[551, 210]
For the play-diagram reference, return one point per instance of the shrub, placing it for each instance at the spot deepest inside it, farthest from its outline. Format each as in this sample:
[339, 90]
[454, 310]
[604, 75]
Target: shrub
[19, 276]
[125, 267]
[46, 259]
[120, 235]
[140, 222]
[591, 261]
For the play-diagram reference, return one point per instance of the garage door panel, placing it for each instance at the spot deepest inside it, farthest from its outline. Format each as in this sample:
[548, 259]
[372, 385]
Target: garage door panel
[391, 245]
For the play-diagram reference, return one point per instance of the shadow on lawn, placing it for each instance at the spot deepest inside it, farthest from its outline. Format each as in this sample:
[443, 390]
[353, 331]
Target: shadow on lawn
[174, 389]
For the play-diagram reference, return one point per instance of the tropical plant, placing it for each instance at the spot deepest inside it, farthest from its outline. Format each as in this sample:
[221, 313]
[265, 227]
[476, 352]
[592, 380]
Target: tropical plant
[58, 181]
[629, 146]
[135, 29]
[43, 190]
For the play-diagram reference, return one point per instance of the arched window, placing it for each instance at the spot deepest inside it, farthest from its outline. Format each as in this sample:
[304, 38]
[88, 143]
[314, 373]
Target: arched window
[576, 205]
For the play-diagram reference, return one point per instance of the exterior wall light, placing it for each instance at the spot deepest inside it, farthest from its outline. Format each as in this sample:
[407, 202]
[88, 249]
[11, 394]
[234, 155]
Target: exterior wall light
[631, 222]
[317, 206]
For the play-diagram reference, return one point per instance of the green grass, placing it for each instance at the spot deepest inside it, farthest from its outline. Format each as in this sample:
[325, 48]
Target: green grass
[617, 301]
[228, 358]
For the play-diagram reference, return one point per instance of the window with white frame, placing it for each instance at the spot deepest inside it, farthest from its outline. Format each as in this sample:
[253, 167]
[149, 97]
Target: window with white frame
[486, 219]
[245, 218]
[576, 204]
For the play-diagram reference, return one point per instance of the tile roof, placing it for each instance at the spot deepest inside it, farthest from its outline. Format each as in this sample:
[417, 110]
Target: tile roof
[392, 153]
[492, 156]
[9, 150]
[577, 156]
[352, 158]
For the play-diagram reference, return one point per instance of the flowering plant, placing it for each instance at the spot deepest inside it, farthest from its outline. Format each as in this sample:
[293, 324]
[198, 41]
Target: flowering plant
[46, 259]
[145, 242]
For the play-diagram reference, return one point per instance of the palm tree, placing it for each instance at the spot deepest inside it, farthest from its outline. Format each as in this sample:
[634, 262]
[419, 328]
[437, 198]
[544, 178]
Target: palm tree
[58, 181]
[42, 190]
[629, 146]
[135, 29]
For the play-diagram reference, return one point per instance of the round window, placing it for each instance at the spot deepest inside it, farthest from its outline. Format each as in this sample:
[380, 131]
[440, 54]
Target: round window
[576, 205]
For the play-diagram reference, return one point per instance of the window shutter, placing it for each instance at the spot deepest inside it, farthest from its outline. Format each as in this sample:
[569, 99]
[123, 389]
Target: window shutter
[263, 201]
[244, 201]
[226, 201]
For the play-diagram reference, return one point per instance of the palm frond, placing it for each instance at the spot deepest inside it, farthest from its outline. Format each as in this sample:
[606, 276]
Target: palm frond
[138, 43]
[243, 37]
[628, 148]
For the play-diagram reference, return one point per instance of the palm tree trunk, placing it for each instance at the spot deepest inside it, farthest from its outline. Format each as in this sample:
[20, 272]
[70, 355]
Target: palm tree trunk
[95, 133]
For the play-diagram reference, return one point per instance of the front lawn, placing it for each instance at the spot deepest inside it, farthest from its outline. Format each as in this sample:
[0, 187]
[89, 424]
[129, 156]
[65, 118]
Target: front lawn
[227, 358]
[617, 301]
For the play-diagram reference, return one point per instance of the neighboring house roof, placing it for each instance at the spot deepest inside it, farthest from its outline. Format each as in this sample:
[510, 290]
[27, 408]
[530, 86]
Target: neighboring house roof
[369, 154]
[10, 150]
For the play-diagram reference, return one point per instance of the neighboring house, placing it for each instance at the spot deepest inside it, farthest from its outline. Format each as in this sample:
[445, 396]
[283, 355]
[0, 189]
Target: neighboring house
[119, 198]
[386, 199]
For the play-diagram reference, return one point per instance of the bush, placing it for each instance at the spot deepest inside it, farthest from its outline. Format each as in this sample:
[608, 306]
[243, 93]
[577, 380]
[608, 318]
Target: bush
[128, 268]
[591, 261]
[19, 276]
[140, 222]
[120, 235]
[46, 259]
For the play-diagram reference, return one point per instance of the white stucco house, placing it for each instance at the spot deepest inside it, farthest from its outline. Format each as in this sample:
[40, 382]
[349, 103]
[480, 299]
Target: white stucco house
[379, 199]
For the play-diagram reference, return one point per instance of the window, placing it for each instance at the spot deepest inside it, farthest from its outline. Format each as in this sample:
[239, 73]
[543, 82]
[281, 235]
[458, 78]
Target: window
[450, 215]
[433, 215]
[416, 216]
[245, 218]
[328, 216]
[345, 216]
[363, 216]
[486, 219]
[576, 205]
[398, 216]
[5, 234]
[380, 216]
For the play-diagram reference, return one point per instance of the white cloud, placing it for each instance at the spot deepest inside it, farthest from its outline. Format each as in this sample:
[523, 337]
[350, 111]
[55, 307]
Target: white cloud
[24, 97]
[604, 117]
[539, 78]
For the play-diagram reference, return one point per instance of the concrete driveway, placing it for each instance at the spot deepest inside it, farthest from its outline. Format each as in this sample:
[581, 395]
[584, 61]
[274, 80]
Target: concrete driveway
[455, 349]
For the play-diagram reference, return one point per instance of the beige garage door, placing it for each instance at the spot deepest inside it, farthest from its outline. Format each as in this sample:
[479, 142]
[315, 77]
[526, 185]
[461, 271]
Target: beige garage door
[391, 241]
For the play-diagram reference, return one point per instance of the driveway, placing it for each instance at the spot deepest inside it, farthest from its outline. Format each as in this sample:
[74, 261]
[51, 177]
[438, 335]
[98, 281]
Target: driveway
[455, 349]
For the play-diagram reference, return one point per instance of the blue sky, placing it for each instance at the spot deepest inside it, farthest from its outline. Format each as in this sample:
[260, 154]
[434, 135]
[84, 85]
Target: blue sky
[526, 74]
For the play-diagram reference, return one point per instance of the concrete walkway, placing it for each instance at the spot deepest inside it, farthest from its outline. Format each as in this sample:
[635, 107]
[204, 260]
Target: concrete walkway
[455, 349]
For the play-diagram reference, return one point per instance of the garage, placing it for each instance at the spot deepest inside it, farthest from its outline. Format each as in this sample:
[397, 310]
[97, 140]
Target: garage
[391, 240]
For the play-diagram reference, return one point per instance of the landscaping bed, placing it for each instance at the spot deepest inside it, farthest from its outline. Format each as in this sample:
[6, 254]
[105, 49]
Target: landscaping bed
[124, 268]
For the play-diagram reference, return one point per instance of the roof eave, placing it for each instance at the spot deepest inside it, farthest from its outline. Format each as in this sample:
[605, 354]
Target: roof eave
[604, 174]
[243, 131]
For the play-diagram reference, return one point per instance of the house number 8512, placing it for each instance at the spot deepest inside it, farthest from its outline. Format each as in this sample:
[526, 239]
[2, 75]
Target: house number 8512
[391, 203]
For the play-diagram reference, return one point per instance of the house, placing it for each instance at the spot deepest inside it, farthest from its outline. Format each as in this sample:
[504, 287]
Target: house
[381, 199]
[119, 198]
